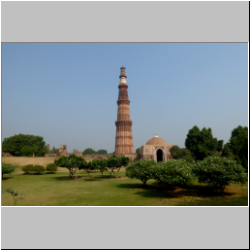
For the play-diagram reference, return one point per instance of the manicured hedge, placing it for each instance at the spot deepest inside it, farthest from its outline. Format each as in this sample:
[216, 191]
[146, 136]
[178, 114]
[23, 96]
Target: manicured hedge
[33, 169]
[51, 168]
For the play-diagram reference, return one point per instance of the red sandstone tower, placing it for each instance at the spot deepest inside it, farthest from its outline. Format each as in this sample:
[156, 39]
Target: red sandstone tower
[124, 138]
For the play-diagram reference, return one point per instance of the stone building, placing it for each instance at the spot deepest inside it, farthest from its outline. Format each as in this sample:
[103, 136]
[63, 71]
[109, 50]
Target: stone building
[156, 149]
[63, 150]
[124, 138]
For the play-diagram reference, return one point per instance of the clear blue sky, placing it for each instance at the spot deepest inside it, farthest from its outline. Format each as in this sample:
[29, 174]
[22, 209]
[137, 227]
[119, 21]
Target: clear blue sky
[67, 92]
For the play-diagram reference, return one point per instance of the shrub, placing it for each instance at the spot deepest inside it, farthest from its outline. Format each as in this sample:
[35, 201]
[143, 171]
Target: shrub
[219, 172]
[141, 170]
[51, 168]
[38, 169]
[28, 169]
[7, 168]
[173, 173]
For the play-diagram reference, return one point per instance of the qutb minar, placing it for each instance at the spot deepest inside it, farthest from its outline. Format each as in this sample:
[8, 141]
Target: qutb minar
[124, 138]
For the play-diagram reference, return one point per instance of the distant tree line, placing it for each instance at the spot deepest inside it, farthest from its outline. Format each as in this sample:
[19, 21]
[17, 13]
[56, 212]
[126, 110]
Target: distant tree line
[54, 150]
[90, 151]
[24, 145]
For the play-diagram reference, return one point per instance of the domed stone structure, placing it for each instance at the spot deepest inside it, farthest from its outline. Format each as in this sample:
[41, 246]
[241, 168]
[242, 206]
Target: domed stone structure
[156, 149]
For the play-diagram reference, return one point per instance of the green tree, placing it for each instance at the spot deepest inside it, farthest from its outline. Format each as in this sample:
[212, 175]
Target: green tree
[141, 170]
[219, 172]
[72, 163]
[175, 152]
[89, 167]
[138, 151]
[227, 152]
[7, 168]
[89, 151]
[238, 143]
[201, 143]
[220, 146]
[102, 152]
[124, 161]
[103, 166]
[14, 144]
[115, 163]
[28, 151]
[181, 153]
[173, 173]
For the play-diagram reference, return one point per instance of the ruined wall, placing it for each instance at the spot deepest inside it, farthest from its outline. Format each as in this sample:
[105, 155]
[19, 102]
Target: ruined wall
[6, 154]
[63, 150]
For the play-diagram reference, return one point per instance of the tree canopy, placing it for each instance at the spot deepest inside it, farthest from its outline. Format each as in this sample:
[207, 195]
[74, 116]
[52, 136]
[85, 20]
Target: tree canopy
[181, 153]
[201, 143]
[90, 151]
[219, 172]
[21, 144]
[102, 152]
[72, 163]
[7, 168]
[237, 147]
[141, 170]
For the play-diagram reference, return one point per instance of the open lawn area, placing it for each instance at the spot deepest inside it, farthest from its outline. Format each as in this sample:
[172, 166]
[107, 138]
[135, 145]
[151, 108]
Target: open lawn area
[95, 190]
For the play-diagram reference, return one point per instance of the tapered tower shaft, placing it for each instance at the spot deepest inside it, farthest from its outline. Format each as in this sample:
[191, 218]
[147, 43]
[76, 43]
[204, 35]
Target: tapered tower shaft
[124, 138]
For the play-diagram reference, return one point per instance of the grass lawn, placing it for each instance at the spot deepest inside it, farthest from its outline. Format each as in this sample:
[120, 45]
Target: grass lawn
[58, 190]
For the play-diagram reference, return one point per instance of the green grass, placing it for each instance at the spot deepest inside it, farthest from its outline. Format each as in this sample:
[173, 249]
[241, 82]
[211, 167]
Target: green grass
[58, 190]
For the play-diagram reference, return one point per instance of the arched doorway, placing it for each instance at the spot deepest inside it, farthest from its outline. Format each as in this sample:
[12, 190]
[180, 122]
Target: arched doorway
[159, 155]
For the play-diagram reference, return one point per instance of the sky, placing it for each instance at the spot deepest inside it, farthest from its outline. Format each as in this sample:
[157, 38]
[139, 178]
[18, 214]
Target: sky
[67, 92]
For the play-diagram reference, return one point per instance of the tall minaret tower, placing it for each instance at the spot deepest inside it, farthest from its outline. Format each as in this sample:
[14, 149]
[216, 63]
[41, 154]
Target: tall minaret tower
[124, 138]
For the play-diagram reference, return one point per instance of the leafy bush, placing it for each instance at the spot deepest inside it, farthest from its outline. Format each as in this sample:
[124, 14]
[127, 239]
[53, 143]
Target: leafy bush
[51, 168]
[28, 169]
[141, 170]
[173, 173]
[31, 169]
[38, 169]
[7, 168]
[219, 172]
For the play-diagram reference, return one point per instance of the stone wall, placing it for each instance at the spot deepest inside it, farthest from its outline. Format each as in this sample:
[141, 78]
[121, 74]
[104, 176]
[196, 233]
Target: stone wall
[132, 157]
[6, 154]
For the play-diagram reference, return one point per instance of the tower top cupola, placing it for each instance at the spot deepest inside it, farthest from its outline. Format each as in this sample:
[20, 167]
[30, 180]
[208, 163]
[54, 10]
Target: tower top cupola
[122, 72]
